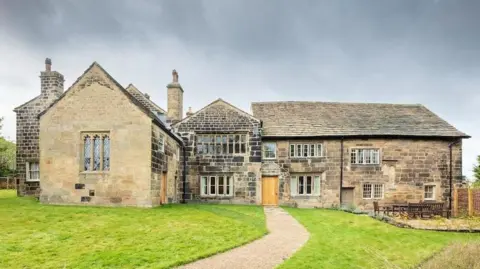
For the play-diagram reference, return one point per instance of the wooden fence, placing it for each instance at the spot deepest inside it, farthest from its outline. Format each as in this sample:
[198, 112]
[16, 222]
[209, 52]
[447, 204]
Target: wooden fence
[7, 183]
[466, 202]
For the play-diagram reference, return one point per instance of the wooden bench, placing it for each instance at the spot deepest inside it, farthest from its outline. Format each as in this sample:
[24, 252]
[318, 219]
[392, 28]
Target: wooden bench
[425, 209]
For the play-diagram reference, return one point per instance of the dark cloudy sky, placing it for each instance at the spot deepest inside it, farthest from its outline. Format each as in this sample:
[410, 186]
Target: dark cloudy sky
[255, 50]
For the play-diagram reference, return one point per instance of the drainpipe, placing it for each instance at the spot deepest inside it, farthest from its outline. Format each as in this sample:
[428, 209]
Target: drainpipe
[184, 176]
[341, 169]
[450, 178]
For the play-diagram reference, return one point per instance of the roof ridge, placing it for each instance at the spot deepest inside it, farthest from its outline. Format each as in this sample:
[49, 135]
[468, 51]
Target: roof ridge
[331, 102]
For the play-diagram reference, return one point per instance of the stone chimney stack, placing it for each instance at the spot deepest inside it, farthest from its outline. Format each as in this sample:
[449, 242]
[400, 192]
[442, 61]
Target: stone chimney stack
[189, 112]
[174, 100]
[51, 81]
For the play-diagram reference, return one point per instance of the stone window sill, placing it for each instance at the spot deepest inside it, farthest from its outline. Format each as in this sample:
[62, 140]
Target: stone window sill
[32, 180]
[95, 172]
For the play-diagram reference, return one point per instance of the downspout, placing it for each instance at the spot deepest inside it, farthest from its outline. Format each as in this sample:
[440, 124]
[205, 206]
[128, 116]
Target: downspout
[450, 178]
[184, 176]
[341, 169]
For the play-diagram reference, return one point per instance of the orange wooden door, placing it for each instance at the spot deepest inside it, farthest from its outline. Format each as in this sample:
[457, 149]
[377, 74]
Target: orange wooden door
[163, 189]
[270, 191]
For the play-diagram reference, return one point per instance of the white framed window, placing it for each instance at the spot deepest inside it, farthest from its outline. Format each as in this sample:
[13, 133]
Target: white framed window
[372, 191]
[305, 185]
[429, 192]
[216, 185]
[365, 156]
[306, 150]
[33, 171]
[161, 143]
[221, 144]
[96, 152]
[269, 150]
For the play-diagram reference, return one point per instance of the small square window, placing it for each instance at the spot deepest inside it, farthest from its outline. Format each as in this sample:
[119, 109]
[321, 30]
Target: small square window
[33, 171]
[269, 150]
[429, 193]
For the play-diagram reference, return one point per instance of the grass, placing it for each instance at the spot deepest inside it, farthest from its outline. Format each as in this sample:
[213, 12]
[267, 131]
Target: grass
[458, 255]
[343, 240]
[33, 235]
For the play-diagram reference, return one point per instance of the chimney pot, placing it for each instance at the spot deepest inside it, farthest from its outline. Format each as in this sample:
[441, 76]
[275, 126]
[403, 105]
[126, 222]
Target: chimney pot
[175, 75]
[189, 112]
[48, 64]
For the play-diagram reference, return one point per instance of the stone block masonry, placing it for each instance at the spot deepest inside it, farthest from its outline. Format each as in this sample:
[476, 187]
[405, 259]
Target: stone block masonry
[244, 168]
[51, 84]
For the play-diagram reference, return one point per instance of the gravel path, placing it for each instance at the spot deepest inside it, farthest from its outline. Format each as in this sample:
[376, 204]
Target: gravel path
[286, 236]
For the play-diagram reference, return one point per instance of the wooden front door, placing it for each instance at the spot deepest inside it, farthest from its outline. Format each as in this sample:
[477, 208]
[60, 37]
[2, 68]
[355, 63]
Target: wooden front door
[163, 189]
[270, 191]
[347, 196]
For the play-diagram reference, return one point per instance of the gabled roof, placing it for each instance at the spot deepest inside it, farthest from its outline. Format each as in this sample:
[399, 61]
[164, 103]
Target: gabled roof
[219, 100]
[135, 92]
[141, 106]
[309, 119]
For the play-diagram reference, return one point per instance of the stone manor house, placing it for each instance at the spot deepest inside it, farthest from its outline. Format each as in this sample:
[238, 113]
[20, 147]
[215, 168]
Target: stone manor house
[99, 143]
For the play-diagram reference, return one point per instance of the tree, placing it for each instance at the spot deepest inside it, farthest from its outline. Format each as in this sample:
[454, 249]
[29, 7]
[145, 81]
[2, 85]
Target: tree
[7, 155]
[476, 172]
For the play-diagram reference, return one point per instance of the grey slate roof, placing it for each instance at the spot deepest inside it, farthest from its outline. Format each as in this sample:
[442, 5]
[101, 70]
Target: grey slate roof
[144, 100]
[305, 119]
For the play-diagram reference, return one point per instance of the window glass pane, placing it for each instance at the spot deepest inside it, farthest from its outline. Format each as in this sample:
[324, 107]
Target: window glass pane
[220, 186]
[299, 151]
[212, 186]
[309, 185]
[305, 150]
[378, 191]
[227, 188]
[224, 139]
[375, 156]
[292, 150]
[368, 155]
[300, 184]
[106, 153]
[210, 149]
[237, 147]
[218, 139]
[218, 149]
[243, 148]
[312, 150]
[353, 156]
[230, 147]
[87, 150]
[96, 153]
[243, 138]
[367, 191]
[319, 150]
[34, 170]
[360, 156]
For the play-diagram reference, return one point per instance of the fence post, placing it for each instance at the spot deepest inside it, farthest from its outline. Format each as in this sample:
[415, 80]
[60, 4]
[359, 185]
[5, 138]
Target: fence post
[455, 202]
[470, 202]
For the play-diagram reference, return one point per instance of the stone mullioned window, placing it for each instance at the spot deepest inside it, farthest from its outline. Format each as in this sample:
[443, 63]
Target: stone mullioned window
[216, 185]
[365, 156]
[221, 144]
[96, 151]
[305, 185]
[306, 150]
[372, 191]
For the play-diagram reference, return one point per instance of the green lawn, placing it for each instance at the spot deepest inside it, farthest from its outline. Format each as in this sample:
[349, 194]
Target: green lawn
[41, 236]
[344, 240]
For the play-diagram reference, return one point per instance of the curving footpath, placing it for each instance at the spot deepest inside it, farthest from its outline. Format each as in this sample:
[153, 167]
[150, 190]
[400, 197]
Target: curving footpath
[286, 236]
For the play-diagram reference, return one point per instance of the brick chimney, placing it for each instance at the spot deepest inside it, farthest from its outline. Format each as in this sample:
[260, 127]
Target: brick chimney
[51, 81]
[174, 100]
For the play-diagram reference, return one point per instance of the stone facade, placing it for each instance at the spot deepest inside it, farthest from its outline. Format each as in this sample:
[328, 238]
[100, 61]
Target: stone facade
[165, 163]
[28, 127]
[222, 118]
[406, 165]
[97, 104]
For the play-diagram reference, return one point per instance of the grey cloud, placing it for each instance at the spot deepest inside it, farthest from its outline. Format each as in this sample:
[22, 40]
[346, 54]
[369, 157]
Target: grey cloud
[404, 51]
